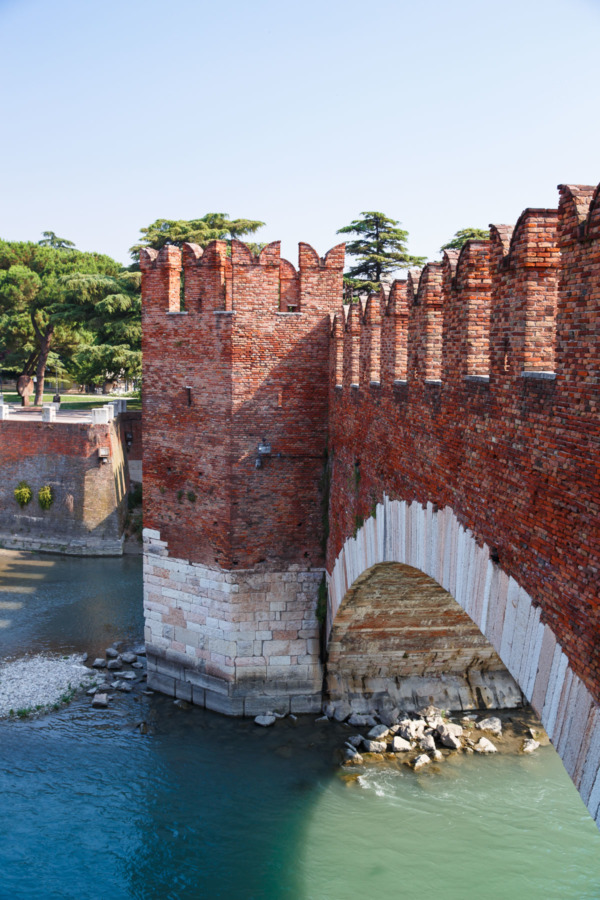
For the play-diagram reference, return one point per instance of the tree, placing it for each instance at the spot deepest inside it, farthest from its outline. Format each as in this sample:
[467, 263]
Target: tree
[33, 316]
[466, 234]
[110, 308]
[380, 249]
[211, 227]
[50, 239]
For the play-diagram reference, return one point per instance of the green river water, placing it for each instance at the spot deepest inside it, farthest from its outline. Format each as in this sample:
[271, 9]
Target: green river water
[202, 806]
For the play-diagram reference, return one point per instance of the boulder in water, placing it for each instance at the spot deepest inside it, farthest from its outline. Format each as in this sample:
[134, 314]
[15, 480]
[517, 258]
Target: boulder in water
[492, 723]
[265, 721]
[100, 701]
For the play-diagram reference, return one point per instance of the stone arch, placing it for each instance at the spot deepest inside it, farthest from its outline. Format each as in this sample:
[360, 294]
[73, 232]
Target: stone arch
[435, 542]
[400, 640]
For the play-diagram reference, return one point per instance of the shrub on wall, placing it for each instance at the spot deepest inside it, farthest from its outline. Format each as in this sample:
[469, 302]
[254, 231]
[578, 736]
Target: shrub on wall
[45, 498]
[23, 494]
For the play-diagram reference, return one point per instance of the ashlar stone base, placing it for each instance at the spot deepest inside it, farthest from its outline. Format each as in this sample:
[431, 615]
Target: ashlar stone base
[240, 643]
[475, 690]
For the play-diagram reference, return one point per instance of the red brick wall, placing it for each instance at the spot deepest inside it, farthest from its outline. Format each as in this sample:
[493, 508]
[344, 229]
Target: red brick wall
[515, 454]
[88, 496]
[253, 346]
[131, 424]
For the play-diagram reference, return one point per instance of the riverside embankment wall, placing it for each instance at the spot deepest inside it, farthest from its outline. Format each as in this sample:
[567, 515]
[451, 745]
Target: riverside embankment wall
[84, 464]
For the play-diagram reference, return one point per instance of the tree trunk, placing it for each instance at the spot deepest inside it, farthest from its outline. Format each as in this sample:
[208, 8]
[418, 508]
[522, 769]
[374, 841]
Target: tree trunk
[45, 339]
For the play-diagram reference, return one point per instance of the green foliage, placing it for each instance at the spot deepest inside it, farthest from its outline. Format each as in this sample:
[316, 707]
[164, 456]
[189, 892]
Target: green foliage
[359, 521]
[134, 498]
[191, 496]
[68, 695]
[50, 239]
[37, 318]
[322, 602]
[380, 249]
[23, 494]
[325, 489]
[45, 497]
[211, 227]
[466, 234]
[109, 308]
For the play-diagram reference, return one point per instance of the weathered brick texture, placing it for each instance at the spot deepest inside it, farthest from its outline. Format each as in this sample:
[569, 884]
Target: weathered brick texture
[472, 387]
[243, 361]
[486, 403]
[240, 364]
[86, 516]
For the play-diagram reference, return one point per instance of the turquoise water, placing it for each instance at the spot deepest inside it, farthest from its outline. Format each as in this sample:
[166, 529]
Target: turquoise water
[202, 806]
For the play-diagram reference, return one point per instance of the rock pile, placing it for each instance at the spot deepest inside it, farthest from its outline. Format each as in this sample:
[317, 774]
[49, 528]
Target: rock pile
[113, 679]
[417, 739]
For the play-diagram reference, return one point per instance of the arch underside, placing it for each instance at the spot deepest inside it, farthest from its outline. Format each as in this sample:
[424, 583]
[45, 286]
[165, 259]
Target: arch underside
[400, 640]
[435, 543]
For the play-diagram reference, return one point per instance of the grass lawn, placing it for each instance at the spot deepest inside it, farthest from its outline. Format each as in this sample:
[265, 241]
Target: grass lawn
[78, 401]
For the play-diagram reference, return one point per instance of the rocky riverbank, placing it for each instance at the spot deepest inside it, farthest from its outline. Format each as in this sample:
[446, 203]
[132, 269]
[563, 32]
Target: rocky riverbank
[432, 735]
[427, 737]
[38, 684]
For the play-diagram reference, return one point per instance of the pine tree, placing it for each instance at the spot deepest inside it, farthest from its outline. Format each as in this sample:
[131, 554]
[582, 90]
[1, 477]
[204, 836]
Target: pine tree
[466, 234]
[211, 227]
[380, 249]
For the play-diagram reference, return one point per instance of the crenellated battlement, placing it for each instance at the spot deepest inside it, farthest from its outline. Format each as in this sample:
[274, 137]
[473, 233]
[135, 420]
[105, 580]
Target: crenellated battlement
[499, 310]
[479, 392]
[196, 281]
[461, 403]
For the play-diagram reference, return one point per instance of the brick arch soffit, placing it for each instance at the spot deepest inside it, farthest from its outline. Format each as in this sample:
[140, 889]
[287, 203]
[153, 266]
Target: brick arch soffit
[436, 543]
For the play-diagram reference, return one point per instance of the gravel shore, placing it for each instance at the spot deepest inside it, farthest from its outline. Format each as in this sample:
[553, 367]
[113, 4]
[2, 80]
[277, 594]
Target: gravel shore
[36, 682]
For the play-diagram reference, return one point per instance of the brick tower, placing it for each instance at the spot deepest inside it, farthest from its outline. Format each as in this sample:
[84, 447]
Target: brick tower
[236, 356]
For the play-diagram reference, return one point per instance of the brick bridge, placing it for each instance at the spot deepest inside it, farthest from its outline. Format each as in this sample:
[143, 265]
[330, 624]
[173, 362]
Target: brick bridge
[433, 451]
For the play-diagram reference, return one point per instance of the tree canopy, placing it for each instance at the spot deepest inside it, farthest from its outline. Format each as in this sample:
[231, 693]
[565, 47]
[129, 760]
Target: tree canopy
[50, 239]
[380, 249]
[466, 234]
[37, 316]
[109, 308]
[211, 227]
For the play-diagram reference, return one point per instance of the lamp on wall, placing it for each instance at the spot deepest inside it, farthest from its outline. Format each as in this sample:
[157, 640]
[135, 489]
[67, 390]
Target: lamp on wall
[263, 449]
[103, 454]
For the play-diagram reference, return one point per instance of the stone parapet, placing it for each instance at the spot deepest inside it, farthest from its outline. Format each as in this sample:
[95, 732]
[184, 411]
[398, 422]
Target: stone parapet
[241, 643]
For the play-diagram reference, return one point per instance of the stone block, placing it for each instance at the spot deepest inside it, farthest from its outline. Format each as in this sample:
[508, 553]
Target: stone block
[183, 690]
[198, 696]
[221, 703]
[306, 703]
[260, 704]
[163, 683]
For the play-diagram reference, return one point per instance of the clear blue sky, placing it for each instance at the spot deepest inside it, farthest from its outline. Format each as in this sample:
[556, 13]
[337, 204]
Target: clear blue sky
[442, 115]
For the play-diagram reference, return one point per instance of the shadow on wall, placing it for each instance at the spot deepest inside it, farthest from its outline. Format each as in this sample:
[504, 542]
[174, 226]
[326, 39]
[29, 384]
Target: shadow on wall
[400, 640]
[85, 470]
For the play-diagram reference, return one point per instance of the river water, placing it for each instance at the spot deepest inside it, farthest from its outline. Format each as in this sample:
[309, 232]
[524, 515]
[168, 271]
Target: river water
[202, 806]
